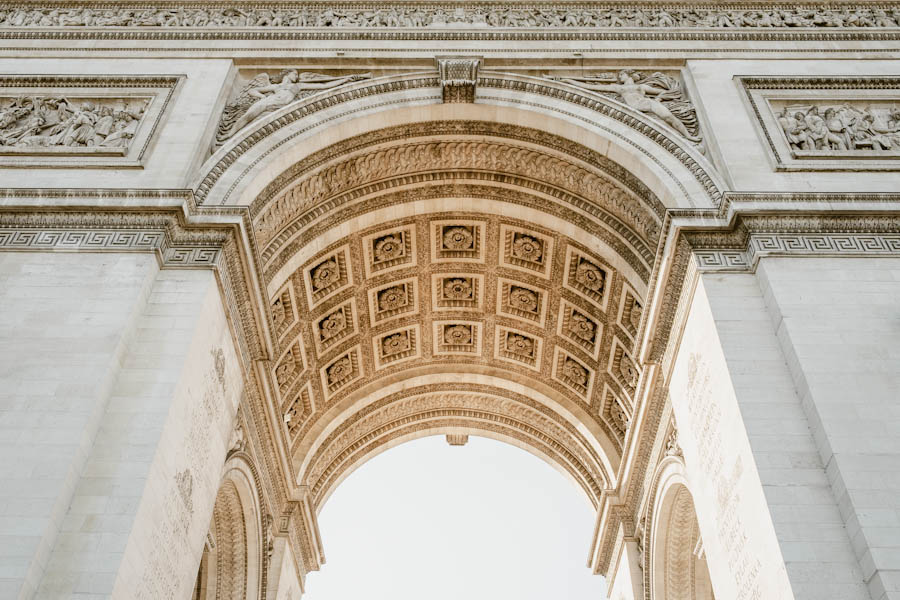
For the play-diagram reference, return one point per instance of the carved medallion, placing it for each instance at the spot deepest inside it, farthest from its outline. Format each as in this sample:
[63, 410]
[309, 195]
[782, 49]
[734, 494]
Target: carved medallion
[392, 298]
[394, 344]
[453, 337]
[523, 299]
[590, 275]
[458, 288]
[457, 335]
[325, 274]
[389, 247]
[458, 238]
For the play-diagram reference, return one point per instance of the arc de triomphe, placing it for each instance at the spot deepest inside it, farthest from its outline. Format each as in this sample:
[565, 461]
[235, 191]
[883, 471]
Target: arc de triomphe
[245, 247]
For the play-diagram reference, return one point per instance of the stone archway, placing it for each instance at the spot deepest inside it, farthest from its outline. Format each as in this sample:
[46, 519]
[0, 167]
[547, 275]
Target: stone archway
[433, 268]
[232, 564]
[677, 559]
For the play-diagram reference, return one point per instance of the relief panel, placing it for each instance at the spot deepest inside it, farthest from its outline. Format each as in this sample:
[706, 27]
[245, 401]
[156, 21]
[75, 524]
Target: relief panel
[827, 123]
[80, 121]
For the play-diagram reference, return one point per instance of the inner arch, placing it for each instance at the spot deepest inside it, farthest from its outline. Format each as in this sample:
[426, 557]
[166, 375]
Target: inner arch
[455, 274]
[502, 513]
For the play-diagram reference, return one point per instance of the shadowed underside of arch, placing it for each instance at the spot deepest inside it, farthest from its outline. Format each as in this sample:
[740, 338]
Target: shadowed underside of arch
[455, 275]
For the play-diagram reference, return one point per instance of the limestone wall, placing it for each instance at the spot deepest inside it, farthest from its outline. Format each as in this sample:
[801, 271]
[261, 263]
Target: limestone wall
[67, 324]
[838, 325]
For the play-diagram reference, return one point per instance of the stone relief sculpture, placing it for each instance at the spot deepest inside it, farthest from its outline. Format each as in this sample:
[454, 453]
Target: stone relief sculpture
[840, 128]
[655, 94]
[263, 95]
[478, 16]
[35, 122]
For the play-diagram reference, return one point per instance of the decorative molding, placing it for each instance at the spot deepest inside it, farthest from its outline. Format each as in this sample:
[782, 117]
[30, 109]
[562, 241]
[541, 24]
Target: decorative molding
[827, 123]
[740, 247]
[798, 244]
[520, 85]
[112, 232]
[458, 75]
[464, 406]
[440, 19]
[80, 120]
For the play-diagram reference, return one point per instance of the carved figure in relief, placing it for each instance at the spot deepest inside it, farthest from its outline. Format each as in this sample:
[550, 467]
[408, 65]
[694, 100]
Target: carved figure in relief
[45, 122]
[487, 16]
[264, 95]
[657, 94]
[840, 128]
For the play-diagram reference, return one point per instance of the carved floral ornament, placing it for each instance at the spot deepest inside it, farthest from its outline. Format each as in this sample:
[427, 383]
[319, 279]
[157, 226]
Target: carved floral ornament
[404, 328]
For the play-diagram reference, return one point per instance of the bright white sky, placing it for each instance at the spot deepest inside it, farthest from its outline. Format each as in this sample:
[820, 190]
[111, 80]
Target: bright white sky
[485, 521]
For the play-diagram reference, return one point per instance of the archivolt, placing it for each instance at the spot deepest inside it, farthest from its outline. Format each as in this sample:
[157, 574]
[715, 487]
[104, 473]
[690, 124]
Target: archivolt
[520, 151]
[679, 172]
[484, 410]
[233, 566]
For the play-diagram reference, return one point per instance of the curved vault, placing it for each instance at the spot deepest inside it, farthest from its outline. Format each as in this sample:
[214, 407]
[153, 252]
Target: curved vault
[455, 275]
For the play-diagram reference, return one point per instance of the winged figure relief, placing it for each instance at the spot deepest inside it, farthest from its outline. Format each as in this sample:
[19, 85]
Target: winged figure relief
[655, 94]
[264, 94]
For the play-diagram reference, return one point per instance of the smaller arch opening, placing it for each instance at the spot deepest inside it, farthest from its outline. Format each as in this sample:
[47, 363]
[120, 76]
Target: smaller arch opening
[230, 565]
[679, 569]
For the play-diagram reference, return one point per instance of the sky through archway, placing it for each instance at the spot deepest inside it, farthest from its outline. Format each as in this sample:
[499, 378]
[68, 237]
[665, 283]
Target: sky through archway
[485, 521]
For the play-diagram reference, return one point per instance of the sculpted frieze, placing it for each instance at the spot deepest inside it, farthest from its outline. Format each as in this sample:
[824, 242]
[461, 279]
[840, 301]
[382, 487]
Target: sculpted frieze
[436, 16]
[657, 95]
[840, 123]
[48, 120]
[31, 124]
[811, 129]
[265, 94]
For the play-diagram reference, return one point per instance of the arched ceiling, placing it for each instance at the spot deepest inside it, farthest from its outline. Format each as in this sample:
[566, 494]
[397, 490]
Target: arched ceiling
[453, 252]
